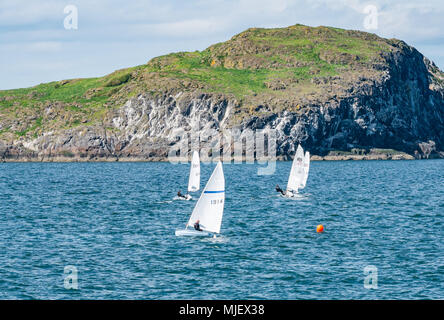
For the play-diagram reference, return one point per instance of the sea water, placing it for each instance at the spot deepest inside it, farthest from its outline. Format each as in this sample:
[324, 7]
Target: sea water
[106, 231]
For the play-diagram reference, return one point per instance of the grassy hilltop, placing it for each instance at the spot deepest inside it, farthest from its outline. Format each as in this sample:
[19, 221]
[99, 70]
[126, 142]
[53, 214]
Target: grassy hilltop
[265, 62]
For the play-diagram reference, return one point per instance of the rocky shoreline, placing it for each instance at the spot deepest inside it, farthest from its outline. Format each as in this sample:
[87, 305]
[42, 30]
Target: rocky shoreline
[330, 157]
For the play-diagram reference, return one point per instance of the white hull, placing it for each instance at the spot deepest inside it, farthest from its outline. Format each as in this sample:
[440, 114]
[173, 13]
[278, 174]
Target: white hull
[191, 233]
[187, 198]
[291, 194]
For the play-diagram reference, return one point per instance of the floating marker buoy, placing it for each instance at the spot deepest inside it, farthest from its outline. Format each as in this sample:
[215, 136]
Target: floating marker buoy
[320, 228]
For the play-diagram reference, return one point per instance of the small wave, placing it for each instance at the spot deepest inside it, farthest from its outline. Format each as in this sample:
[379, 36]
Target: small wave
[166, 201]
[217, 239]
[83, 192]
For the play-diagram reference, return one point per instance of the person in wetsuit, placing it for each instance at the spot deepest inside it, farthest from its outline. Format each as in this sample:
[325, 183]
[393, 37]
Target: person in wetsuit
[278, 189]
[197, 226]
[180, 195]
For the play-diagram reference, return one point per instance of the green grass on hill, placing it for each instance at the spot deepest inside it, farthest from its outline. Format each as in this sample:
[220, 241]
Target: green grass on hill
[241, 67]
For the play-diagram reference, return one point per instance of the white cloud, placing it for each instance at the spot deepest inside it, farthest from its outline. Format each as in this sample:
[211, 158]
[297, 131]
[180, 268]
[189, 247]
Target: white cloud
[22, 12]
[45, 46]
[115, 34]
[266, 7]
[184, 28]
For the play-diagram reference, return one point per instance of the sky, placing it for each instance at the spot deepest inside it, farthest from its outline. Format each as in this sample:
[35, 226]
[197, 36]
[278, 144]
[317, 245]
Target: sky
[40, 41]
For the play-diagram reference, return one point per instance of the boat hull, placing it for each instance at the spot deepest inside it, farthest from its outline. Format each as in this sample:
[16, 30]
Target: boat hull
[191, 233]
[187, 198]
[291, 194]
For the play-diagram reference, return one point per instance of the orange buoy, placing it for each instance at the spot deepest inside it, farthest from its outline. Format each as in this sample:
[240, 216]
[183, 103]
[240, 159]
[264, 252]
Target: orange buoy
[320, 228]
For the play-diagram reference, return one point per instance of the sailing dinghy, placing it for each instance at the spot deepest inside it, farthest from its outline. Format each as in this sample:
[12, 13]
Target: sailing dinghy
[299, 172]
[209, 208]
[194, 179]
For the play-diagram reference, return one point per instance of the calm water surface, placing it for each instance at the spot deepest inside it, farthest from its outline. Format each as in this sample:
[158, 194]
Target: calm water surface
[115, 223]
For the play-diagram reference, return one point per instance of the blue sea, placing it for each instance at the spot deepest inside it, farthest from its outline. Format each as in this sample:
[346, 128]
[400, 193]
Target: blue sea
[114, 224]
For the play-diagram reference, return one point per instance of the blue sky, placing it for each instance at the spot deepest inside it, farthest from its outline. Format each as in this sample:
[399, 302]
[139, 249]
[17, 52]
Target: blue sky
[35, 47]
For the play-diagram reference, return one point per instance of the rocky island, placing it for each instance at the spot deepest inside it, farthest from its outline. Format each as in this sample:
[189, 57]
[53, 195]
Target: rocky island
[342, 94]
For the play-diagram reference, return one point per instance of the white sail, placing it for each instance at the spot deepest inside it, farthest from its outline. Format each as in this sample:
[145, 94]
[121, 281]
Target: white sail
[296, 177]
[194, 180]
[210, 206]
[306, 169]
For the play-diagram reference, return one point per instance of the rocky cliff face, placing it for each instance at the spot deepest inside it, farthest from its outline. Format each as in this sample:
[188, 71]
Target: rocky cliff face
[388, 101]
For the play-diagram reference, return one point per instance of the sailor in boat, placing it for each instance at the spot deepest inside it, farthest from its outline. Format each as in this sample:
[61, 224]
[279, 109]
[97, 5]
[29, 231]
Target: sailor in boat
[300, 161]
[180, 195]
[278, 189]
[197, 226]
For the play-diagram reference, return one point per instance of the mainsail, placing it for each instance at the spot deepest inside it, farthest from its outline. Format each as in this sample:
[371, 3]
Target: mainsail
[194, 180]
[210, 206]
[296, 178]
[306, 168]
